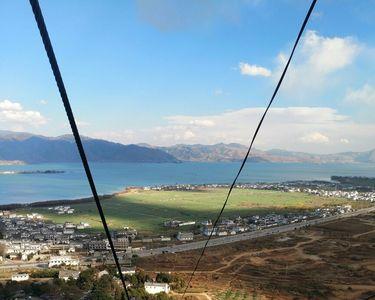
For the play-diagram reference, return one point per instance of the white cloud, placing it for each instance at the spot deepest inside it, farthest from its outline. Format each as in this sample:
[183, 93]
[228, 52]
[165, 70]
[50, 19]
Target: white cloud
[182, 120]
[7, 105]
[315, 138]
[188, 135]
[15, 117]
[364, 95]
[315, 62]
[253, 70]
[43, 102]
[309, 129]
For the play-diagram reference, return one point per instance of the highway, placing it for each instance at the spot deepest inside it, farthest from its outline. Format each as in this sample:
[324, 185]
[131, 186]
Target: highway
[249, 235]
[23, 265]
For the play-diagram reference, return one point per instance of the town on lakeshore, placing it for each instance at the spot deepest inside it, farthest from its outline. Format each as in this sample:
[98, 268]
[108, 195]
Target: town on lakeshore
[29, 241]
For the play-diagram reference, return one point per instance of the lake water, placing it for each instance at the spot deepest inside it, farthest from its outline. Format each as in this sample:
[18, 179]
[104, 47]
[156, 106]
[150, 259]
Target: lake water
[113, 177]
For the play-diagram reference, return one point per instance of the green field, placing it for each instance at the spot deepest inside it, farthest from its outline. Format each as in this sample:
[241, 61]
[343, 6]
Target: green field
[147, 210]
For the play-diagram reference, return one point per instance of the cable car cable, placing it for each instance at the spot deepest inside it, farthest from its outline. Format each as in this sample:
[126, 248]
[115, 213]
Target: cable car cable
[64, 97]
[252, 140]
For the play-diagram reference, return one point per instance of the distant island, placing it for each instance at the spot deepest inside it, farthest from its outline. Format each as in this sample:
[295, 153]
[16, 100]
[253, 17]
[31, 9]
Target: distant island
[33, 172]
[11, 163]
[21, 147]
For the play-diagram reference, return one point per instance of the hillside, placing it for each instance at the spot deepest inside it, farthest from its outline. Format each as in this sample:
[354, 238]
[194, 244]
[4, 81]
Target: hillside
[210, 153]
[40, 149]
[16, 148]
[236, 152]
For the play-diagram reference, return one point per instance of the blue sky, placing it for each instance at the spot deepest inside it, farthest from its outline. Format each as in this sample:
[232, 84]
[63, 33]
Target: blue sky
[167, 72]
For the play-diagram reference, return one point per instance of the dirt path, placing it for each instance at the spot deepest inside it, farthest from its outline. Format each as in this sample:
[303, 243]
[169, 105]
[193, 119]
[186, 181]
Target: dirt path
[197, 296]
[363, 233]
[253, 254]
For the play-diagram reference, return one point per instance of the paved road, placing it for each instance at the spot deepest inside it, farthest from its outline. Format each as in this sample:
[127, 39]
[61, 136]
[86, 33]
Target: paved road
[249, 235]
[24, 265]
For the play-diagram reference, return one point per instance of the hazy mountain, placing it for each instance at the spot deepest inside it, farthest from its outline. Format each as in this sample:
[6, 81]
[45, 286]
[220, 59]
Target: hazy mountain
[31, 148]
[236, 152]
[20, 146]
[209, 153]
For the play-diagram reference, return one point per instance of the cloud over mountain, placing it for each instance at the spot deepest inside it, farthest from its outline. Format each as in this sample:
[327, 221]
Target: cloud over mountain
[16, 117]
[310, 129]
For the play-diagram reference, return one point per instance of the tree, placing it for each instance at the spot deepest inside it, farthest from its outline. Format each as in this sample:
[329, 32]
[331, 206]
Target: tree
[164, 278]
[86, 279]
[104, 288]
[162, 296]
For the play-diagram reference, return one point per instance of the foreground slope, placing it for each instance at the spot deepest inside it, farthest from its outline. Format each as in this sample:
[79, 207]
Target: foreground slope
[335, 260]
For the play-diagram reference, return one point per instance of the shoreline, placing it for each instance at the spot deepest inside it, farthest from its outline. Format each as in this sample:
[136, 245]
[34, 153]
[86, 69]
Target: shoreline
[189, 187]
[44, 203]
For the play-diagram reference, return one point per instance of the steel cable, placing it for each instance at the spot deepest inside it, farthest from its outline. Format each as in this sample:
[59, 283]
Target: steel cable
[64, 97]
[252, 141]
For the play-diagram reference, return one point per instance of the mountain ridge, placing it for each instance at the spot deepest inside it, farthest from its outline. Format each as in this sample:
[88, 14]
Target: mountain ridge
[236, 152]
[33, 148]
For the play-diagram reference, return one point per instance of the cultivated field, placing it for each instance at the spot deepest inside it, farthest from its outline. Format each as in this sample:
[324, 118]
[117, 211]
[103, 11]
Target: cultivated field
[147, 210]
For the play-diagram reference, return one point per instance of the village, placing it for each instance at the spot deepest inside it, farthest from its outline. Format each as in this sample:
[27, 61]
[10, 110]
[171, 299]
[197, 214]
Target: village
[70, 248]
[320, 188]
[31, 238]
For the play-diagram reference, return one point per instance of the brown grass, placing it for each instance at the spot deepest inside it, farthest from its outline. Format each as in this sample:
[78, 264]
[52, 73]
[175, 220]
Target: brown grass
[330, 261]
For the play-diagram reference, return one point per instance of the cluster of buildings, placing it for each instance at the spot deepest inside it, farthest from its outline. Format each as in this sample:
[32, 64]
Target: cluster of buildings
[177, 187]
[66, 260]
[259, 222]
[151, 287]
[121, 241]
[320, 188]
[26, 235]
[62, 209]
[177, 223]
[351, 195]
[239, 224]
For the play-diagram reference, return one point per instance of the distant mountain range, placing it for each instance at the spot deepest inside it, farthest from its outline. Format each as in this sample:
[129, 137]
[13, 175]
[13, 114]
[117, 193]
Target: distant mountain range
[20, 147]
[236, 152]
[31, 148]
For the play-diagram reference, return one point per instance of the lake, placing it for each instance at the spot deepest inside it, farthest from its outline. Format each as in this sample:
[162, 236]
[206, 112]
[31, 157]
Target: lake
[114, 177]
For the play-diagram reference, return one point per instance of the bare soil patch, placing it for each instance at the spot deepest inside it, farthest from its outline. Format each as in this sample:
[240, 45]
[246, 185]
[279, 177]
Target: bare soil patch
[330, 261]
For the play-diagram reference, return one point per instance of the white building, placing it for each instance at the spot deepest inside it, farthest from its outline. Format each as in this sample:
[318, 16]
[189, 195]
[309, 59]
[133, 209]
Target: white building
[20, 277]
[188, 223]
[156, 288]
[66, 260]
[128, 271]
[185, 236]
